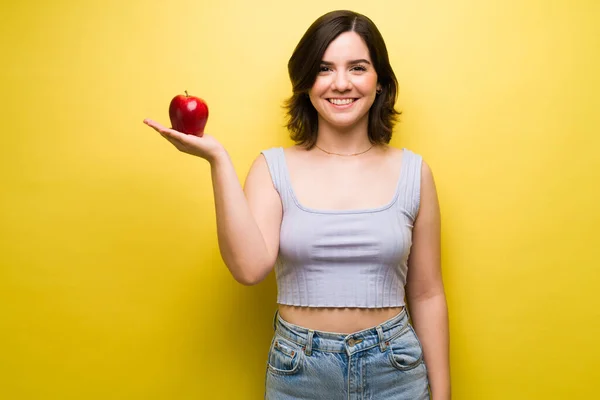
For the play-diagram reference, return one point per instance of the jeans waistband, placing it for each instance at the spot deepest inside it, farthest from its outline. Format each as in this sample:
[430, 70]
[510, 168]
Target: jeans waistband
[315, 340]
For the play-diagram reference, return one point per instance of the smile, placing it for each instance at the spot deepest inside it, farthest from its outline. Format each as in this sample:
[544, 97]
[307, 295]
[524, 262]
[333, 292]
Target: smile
[341, 102]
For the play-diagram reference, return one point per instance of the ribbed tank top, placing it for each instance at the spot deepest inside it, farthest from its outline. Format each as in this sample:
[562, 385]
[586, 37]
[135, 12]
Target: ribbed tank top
[348, 258]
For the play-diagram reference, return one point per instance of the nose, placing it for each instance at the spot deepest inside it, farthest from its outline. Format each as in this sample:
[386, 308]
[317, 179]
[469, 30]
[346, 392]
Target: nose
[341, 83]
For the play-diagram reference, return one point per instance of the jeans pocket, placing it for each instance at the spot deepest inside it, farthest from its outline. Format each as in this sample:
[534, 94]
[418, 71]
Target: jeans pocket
[405, 350]
[285, 356]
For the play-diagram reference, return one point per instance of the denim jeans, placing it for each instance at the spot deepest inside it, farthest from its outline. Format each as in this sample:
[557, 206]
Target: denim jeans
[379, 363]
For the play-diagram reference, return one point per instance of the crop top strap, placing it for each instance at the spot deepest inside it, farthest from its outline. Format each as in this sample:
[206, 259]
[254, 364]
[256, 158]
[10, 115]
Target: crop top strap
[412, 183]
[275, 159]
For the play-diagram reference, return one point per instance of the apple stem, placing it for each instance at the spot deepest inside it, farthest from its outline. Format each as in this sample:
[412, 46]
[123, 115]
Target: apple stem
[186, 93]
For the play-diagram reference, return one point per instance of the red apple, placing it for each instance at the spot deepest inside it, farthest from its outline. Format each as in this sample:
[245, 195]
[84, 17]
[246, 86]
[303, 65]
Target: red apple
[188, 114]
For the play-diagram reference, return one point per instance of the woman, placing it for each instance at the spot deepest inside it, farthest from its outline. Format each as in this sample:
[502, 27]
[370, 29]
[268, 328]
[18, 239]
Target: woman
[350, 224]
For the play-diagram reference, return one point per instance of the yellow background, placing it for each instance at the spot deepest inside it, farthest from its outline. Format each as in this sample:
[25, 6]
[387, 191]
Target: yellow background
[111, 283]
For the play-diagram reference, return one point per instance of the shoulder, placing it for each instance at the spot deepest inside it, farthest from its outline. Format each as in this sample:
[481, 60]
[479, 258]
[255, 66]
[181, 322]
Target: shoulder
[424, 179]
[269, 151]
[419, 160]
[281, 150]
[264, 169]
[269, 156]
[275, 157]
[421, 176]
[411, 154]
[270, 165]
[265, 160]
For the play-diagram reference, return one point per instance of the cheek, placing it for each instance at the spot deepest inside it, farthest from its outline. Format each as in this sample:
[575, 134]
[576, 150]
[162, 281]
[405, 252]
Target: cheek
[314, 100]
[368, 84]
[320, 86]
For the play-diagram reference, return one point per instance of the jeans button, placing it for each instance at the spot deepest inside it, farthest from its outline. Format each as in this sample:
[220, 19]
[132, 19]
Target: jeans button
[351, 342]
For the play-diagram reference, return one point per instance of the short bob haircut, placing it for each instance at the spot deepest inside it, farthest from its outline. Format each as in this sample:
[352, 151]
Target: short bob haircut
[304, 66]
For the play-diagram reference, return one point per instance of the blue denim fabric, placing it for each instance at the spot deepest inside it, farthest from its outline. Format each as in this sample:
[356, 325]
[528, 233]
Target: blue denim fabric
[380, 363]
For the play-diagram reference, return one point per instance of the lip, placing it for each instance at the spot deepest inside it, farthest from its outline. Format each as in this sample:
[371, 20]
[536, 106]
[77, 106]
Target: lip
[341, 106]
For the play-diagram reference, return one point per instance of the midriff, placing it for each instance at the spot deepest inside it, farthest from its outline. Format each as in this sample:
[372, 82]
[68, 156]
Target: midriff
[339, 320]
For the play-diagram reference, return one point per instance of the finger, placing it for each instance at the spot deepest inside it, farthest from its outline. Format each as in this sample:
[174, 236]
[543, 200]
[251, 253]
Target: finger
[164, 131]
[155, 125]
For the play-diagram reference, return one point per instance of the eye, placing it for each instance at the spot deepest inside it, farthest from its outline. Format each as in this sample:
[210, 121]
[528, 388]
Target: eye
[324, 68]
[360, 68]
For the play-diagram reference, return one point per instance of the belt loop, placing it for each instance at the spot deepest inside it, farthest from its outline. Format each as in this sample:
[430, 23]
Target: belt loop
[308, 349]
[275, 320]
[382, 342]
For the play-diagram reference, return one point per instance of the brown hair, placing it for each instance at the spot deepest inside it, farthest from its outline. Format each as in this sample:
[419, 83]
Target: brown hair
[303, 68]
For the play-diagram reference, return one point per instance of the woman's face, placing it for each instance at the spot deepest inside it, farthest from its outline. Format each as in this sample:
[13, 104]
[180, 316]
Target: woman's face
[346, 85]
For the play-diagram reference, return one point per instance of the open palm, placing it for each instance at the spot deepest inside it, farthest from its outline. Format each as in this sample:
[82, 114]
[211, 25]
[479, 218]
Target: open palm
[206, 147]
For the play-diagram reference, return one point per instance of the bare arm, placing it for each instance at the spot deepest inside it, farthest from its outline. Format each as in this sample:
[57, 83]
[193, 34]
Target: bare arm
[247, 223]
[425, 289]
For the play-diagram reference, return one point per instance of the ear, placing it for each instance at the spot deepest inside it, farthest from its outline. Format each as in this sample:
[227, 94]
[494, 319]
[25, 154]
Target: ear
[378, 90]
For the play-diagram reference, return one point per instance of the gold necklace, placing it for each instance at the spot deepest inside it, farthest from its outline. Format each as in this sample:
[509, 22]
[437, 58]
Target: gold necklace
[344, 155]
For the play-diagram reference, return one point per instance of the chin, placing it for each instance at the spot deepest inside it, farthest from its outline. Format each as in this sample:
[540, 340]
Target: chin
[345, 122]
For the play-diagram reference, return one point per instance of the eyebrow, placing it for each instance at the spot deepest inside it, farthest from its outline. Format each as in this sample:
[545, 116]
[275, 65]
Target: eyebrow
[361, 61]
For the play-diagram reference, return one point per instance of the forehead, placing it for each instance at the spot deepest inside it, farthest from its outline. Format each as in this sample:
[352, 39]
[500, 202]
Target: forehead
[347, 46]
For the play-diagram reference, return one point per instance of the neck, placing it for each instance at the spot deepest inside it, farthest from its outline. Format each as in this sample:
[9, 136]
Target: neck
[350, 140]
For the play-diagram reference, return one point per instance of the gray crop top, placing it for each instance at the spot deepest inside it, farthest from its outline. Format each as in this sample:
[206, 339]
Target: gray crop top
[350, 258]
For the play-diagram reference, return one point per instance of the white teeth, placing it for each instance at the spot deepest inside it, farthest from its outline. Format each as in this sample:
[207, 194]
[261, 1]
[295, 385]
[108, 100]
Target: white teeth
[341, 102]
